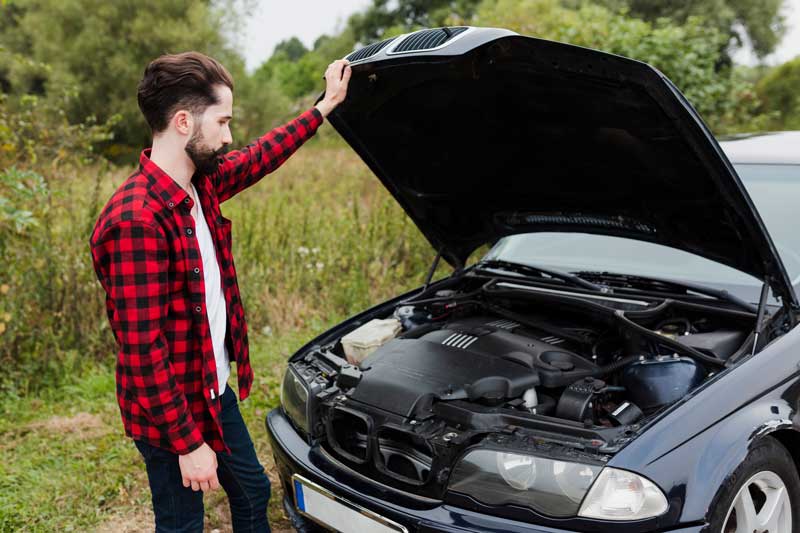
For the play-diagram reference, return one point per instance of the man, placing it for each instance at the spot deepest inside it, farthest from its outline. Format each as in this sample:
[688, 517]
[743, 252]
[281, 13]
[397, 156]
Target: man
[162, 252]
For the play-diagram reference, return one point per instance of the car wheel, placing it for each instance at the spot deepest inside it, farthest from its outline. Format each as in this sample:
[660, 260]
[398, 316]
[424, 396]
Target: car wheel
[762, 495]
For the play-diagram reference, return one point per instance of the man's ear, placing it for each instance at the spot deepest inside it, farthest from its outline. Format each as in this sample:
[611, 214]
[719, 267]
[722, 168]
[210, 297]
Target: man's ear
[183, 121]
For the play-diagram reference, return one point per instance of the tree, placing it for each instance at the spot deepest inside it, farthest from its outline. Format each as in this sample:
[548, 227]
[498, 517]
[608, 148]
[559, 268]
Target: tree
[292, 49]
[100, 49]
[758, 21]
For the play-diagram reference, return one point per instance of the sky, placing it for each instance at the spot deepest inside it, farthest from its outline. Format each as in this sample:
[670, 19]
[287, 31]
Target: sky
[276, 20]
[788, 48]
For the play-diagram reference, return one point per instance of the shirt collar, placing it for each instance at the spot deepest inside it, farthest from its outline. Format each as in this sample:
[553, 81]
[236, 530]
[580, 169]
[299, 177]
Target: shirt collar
[166, 188]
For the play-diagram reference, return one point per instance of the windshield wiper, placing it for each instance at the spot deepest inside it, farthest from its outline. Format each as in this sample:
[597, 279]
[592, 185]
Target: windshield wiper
[530, 270]
[664, 285]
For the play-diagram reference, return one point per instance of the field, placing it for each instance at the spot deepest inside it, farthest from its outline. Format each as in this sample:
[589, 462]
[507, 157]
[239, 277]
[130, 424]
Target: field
[314, 242]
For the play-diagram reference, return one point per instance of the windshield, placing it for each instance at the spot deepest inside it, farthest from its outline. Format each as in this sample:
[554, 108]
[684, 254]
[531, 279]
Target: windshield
[775, 190]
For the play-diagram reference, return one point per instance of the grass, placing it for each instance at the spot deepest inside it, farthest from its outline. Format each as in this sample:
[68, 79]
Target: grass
[314, 243]
[68, 466]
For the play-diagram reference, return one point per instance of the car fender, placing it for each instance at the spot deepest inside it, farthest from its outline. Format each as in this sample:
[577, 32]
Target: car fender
[692, 474]
[695, 445]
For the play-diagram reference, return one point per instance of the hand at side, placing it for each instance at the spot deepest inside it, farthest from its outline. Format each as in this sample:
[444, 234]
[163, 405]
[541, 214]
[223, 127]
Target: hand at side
[199, 469]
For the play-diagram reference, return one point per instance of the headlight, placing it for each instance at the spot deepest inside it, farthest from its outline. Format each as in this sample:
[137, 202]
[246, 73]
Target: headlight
[551, 487]
[622, 495]
[294, 398]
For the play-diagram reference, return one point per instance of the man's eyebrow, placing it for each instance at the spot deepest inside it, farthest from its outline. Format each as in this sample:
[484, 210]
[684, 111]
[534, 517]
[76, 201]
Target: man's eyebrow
[226, 117]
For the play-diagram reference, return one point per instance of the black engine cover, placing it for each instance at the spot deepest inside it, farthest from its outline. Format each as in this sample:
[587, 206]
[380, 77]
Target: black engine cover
[475, 359]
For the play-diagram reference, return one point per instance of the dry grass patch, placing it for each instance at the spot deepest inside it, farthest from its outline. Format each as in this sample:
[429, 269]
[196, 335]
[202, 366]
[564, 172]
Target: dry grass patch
[85, 426]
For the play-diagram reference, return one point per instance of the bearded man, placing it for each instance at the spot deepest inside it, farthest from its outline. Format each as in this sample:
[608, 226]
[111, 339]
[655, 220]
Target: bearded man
[162, 251]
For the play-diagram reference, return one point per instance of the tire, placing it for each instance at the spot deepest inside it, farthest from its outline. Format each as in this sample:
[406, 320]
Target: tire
[762, 495]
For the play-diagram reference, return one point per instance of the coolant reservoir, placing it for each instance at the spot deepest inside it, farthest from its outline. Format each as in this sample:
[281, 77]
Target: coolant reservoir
[361, 342]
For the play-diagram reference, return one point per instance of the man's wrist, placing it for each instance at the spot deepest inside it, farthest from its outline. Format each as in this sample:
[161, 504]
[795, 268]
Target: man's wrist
[325, 107]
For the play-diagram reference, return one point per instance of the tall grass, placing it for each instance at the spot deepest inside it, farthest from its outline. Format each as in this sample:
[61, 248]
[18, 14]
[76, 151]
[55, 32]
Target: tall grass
[313, 242]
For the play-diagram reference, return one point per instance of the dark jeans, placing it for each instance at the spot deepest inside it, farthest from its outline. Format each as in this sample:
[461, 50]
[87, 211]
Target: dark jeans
[180, 509]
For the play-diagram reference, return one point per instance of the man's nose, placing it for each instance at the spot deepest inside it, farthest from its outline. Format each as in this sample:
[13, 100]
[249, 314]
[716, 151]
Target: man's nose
[227, 138]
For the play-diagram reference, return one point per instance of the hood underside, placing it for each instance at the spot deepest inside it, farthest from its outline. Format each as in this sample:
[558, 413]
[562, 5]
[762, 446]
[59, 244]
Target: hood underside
[504, 134]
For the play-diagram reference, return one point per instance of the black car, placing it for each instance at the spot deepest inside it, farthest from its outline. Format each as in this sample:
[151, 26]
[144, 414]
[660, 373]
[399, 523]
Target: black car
[624, 358]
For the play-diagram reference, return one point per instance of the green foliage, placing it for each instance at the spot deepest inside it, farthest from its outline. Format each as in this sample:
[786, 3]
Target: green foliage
[297, 72]
[311, 246]
[21, 192]
[295, 78]
[758, 21]
[292, 49]
[50, 308]
[99, 49]
[780, 92]
[35, 130]
[377, 21]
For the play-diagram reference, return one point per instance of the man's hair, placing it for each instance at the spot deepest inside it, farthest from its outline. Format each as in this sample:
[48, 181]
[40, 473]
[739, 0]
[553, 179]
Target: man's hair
[179, 81]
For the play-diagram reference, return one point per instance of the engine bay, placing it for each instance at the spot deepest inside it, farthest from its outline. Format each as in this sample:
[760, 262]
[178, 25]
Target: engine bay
[485, 362]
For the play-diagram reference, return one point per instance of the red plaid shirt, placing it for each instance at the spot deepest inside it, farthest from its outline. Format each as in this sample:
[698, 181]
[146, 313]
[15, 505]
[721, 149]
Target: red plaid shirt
[146, 256]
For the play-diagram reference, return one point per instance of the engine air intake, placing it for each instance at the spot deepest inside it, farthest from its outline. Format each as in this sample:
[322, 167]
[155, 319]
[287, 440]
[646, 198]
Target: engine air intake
[404, 456]
[348, 434]
[368, 51]
[428, 39]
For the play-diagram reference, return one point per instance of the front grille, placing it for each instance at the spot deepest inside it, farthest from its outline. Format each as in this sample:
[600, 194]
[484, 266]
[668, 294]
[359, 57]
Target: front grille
[348, 433]
[369, 50]
[428, 39]
[404, 456]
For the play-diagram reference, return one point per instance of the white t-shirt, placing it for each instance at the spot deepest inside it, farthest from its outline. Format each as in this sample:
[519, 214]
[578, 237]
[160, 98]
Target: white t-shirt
[215, 301]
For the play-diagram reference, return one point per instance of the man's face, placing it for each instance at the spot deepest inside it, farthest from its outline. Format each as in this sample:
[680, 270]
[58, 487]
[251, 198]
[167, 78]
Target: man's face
[211, 133]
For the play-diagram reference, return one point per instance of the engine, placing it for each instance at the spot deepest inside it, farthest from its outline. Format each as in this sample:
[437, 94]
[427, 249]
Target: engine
[401, 396]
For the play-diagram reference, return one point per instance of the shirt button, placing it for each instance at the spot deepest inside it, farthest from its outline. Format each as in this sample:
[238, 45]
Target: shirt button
[198, 308]
[171, 205]
[186, 201]
[196, 270]
[188, 231]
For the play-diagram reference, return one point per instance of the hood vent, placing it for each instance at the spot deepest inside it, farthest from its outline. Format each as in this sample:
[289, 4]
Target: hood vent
[428, 39]
[368, 51]
[459, 340]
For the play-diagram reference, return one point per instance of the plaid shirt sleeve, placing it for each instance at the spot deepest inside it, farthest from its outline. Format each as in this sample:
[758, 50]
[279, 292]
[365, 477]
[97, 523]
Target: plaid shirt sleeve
[243, 168]
[137, 283]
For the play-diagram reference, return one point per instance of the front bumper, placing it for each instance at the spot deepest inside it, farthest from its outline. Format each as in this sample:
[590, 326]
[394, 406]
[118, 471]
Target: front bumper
[293, 455]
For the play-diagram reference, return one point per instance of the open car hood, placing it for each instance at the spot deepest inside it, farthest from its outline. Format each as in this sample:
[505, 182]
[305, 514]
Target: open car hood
[488, 133]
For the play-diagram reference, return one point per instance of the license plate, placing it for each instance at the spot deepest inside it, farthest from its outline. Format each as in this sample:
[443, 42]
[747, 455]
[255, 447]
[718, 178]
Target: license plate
[337, 513]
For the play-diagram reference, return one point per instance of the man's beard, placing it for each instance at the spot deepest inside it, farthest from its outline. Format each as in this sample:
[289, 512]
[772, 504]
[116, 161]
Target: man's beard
[205, 160]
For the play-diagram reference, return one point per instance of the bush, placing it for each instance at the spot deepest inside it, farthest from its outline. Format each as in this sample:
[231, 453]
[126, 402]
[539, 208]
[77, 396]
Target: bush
[47, 205]
[780, 92]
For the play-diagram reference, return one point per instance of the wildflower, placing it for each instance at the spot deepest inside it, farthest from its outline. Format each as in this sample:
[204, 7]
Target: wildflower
[320, 265]
[302, 250]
